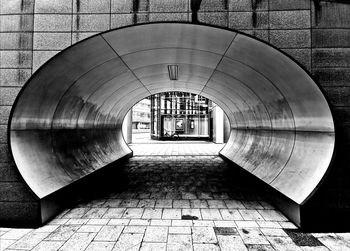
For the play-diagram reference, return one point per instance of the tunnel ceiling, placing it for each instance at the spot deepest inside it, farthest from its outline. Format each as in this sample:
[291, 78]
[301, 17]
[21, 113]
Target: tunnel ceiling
[66, 122]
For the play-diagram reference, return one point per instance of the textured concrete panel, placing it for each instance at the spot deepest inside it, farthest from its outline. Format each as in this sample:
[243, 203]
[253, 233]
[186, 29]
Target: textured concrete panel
[326, 14]
[16, 6]
[220, 19]
[302, 56]
[40, 57]
[78, 36]
[8, 172]
[16, 41]
[45, 22]
[119, 20]
[91, 6]
[290, 38]
[14, 77]
[14, 191]
[53, 6]
[8, 95]
[4, 114]
[3, 134]
[157, 17]
[244, 5]
[15, 59]
[338, 96]
[208, 5]
[330, 38]
[331, 57]
[332, 76]
[4, 154]
[168, 6]
[51, 41]
[25, 213]
[16, 23]
[289, 4]
[248, 20]
[261, 34]
[289, 19]
[122, 6]
[84, 22]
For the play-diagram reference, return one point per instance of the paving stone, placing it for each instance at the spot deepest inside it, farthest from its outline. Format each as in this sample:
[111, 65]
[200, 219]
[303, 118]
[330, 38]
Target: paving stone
[95, 213]
[160, 223]
[287, 225]
[146, 203]
[179, 242]
[164, 204]
[63, 233]
[193, 214]
[133, 213]
[129, 203]
[203, 223]
[112, 203]
[79, 241]
[181, 204]
[252, 204]
[114, 213]
[15, 234]
[182, 223]
[259, 247]
[30, 240]
[76, 221]
[199, 204]
[109, 233]
[188, 195]
[230, 214]
[250, 214]
[76, 212]
[49, 246]
[121, 222]
[268, 224]
[134, 229]
[224, 223]
[90, 228]
[100, 246]
[273, 232]
[180, 230]
[252, 236]
[147, 246]
[216, 204]
[171, 213]
[205, 247]
[98, 221]
[231, 242]
[234, 204]
[211, 214]
[282, 243]
[136, 222]
[128, 242]
[156, 234]
[47, 228]
[150, 213]
[203, 235]
[272, 215]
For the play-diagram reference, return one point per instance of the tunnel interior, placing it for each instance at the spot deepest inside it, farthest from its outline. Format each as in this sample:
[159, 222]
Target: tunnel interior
[66, 122]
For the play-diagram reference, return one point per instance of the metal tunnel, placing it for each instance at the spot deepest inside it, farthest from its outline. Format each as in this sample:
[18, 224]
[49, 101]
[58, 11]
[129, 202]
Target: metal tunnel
[66, 122]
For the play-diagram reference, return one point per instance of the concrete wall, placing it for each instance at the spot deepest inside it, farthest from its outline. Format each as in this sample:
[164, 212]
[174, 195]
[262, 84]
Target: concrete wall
[315, 32]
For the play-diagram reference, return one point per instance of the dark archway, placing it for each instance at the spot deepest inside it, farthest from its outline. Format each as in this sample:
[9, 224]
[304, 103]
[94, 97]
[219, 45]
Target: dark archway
[66, 123]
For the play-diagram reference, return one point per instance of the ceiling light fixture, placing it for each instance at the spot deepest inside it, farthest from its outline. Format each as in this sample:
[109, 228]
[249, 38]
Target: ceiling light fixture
[173, 71]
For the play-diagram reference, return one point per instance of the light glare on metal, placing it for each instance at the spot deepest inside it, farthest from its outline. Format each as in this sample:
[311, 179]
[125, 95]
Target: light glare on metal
[173, 72]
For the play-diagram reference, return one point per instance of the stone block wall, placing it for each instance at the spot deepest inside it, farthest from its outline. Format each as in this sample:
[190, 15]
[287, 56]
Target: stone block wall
[316, 33]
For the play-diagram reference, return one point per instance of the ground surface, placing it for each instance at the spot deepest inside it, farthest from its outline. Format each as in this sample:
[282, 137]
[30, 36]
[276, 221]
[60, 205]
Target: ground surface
[175, 202]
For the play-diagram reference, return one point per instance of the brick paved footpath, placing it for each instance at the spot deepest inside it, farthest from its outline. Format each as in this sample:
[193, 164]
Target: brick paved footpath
[173, 203]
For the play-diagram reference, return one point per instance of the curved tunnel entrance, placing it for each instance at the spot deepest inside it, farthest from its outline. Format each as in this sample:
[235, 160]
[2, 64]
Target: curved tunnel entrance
[67, 121]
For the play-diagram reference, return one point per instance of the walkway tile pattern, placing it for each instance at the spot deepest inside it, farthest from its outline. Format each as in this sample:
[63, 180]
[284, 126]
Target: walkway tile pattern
[172, 203]
[178, 148]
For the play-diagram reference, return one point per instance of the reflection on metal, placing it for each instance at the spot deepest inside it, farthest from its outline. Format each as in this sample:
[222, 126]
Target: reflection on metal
[67, 120]
[173, 72]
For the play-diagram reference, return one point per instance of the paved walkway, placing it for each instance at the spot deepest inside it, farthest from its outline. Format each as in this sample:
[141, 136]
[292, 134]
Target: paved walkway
[173, 203]
[176, 148]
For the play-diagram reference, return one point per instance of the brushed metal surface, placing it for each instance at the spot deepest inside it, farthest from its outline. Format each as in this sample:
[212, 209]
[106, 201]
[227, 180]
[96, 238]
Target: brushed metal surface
[67, 121]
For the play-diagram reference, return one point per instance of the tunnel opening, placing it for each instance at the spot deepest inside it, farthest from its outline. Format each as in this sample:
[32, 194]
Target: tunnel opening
[176, 123]
[66, 123]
